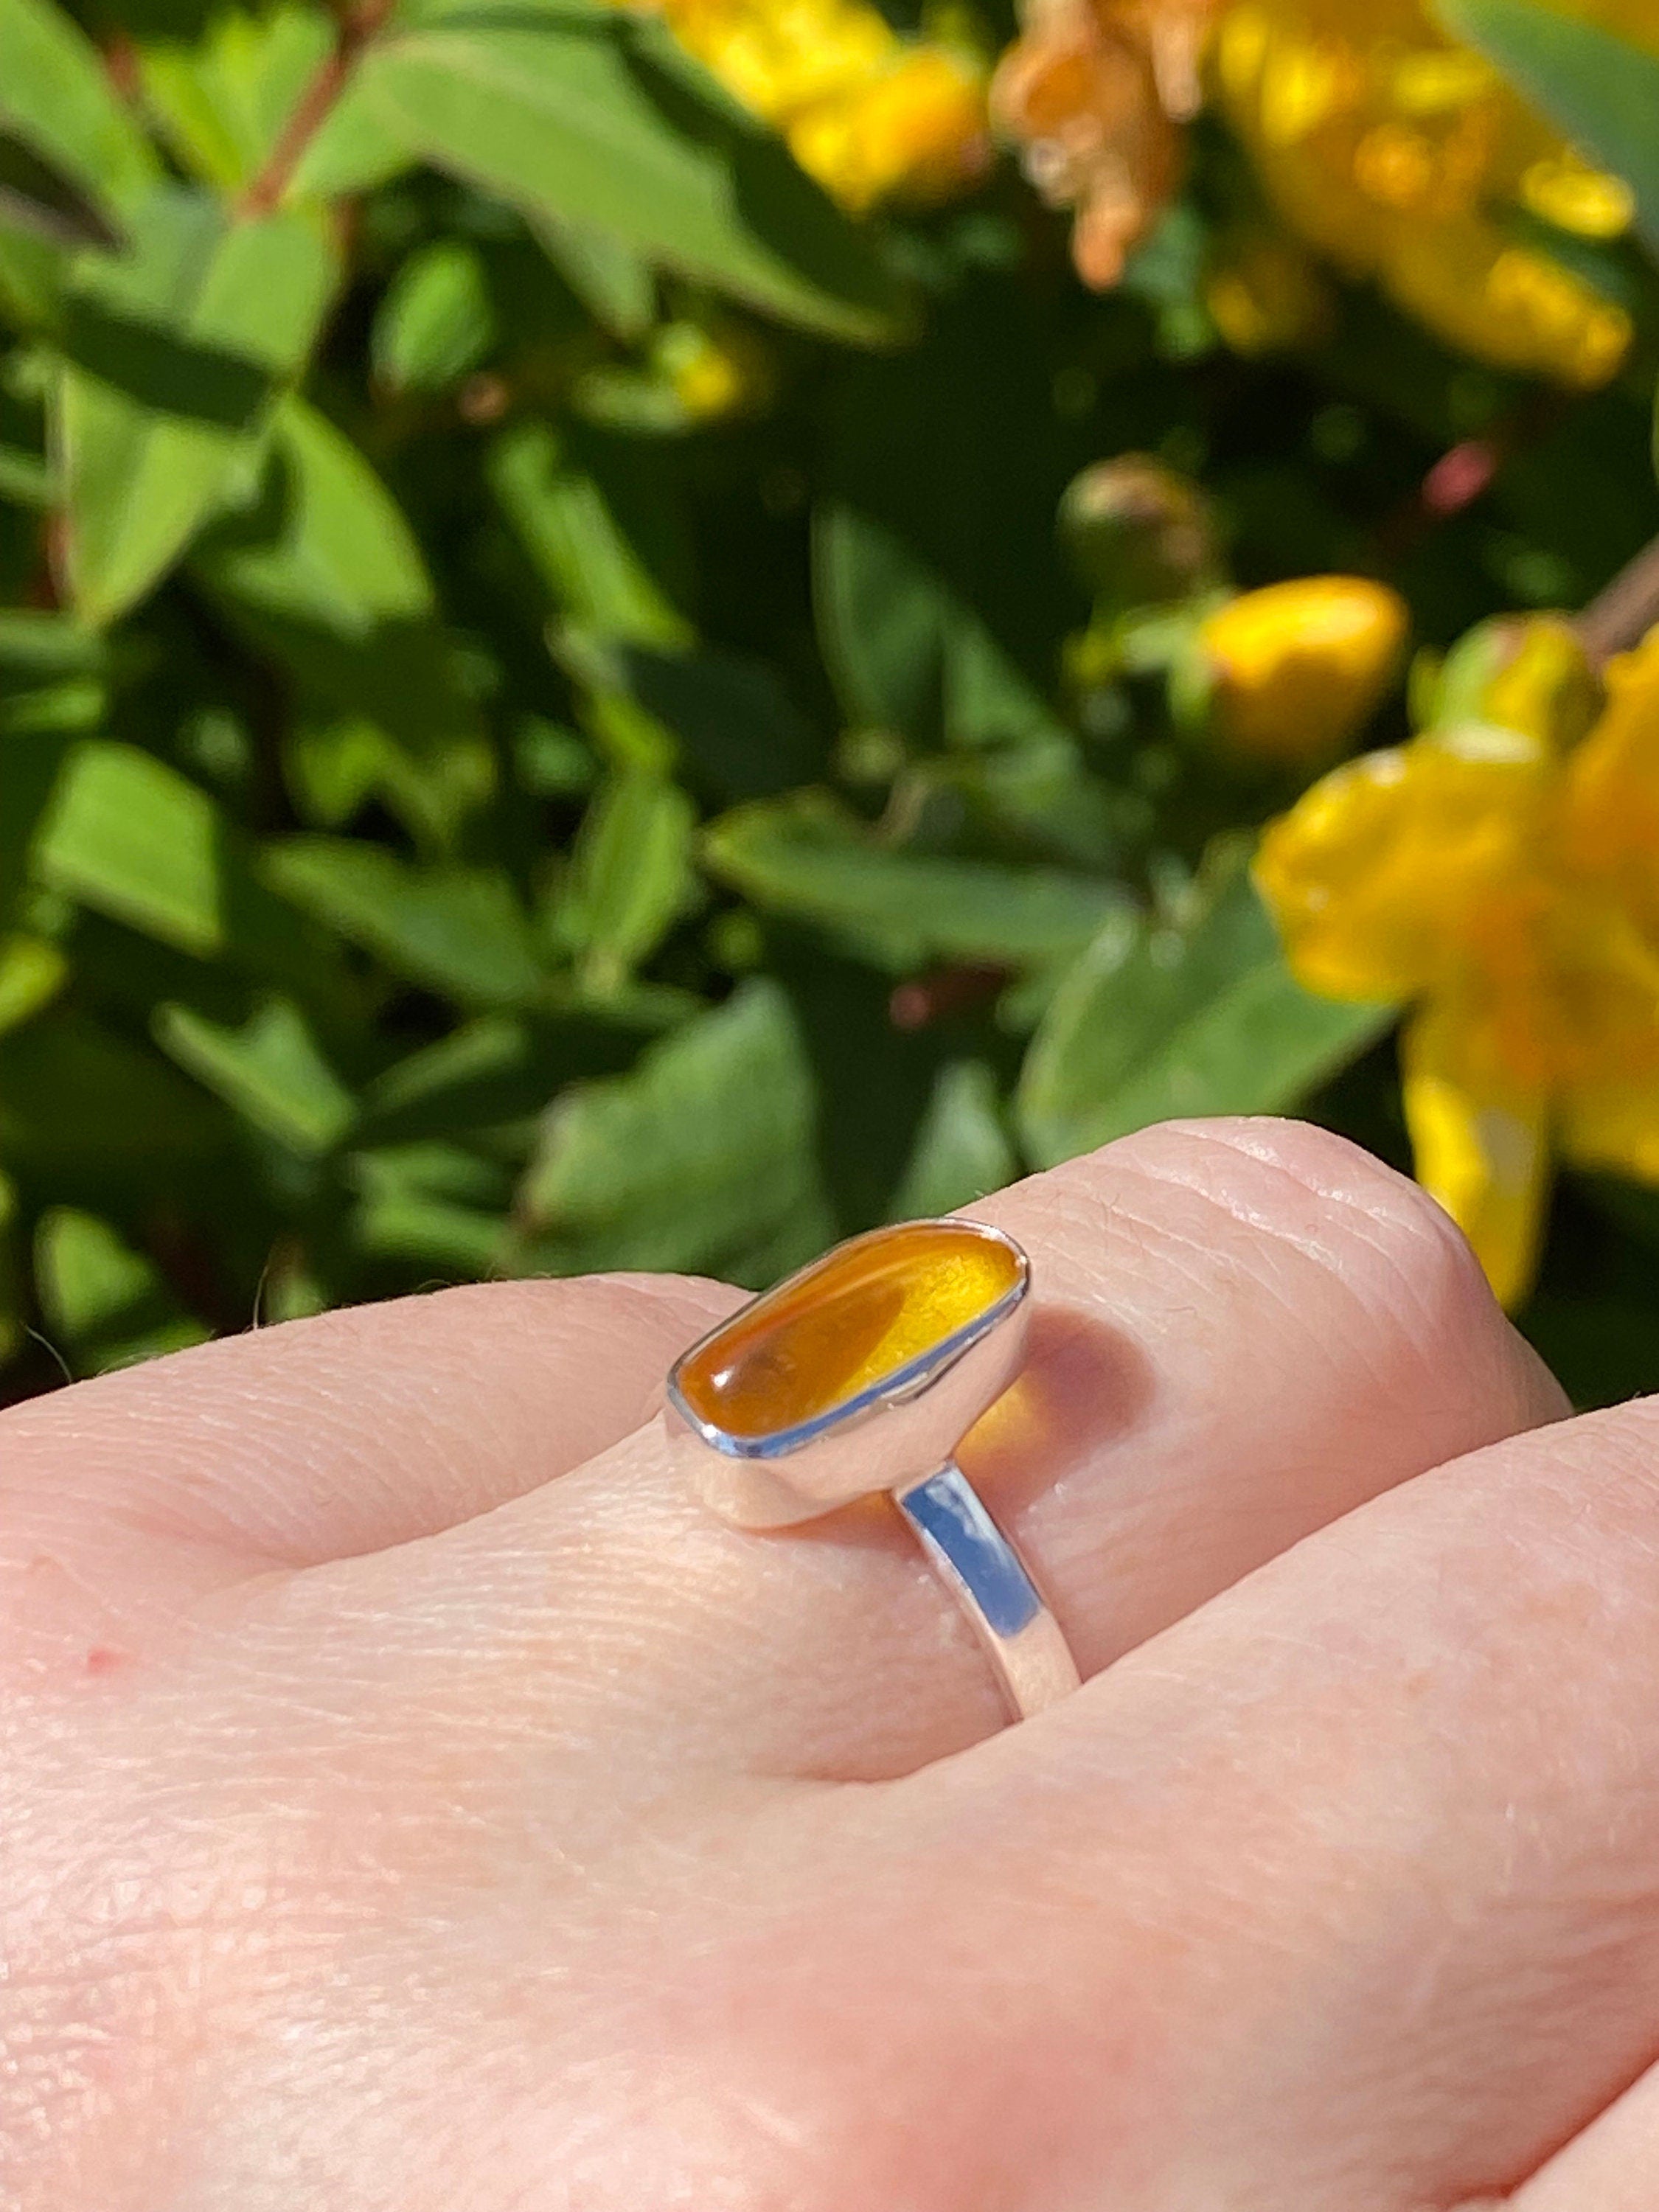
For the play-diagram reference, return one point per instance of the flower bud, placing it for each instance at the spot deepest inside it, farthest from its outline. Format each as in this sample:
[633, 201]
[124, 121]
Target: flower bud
[1296, 669]
[1139, 534]
[1524, 672]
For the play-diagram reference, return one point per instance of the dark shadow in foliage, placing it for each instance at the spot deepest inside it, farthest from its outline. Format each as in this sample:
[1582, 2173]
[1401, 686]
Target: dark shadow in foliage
[80, 1109]
[397, 672]
[159, 369]
[786, 210]
[744, 737]
[32, 759]
[36, 196]
[183, 21]
[789, 216]
[874, 1081]
[952, 511]
[497, 1071]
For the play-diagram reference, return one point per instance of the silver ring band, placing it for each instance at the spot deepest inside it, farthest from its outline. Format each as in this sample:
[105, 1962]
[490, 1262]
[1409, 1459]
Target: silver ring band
[984, 1572]
[854, 1376]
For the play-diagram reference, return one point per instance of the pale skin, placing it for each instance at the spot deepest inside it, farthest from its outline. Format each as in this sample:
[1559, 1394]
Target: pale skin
[411, 1801]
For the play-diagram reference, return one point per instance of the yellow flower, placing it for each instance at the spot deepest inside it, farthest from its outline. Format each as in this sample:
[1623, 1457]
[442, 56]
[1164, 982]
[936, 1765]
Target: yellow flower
[1505, 881]
[1394, 151]
[1297, 668]
[870, 114]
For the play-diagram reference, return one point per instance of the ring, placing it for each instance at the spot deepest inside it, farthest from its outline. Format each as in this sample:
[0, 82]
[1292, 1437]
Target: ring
[860, 1376]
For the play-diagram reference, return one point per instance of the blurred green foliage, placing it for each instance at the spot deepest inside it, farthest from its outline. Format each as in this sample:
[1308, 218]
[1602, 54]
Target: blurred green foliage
[545, 722]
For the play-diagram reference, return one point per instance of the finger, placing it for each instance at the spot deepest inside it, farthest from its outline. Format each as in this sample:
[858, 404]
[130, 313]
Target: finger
[1243, 1331]
[1612, 2166]
[1371, 1844]
[332, 1437]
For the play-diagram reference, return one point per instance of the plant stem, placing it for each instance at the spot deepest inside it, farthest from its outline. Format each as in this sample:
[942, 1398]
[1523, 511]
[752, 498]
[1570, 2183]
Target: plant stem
[1622, 615]
[357, 27]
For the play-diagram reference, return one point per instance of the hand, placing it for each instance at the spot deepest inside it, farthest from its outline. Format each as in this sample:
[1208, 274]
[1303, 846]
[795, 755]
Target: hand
[414, 1803]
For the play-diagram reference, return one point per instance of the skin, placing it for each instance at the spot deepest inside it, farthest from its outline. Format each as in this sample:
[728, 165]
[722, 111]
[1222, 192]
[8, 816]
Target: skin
[411, 1800]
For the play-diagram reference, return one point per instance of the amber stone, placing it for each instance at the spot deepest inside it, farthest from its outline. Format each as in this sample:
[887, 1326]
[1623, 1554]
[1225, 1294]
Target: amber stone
[860, 1314]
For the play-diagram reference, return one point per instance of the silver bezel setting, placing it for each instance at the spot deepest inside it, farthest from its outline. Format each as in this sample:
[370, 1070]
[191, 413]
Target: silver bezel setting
[888, 1435]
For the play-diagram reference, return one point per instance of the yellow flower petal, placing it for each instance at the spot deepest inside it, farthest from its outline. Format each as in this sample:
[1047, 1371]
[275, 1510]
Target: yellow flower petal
[1587, 202]
[1612, 826]
[868, 113]
[1398, 152]
[1615, 1127]
[1379, 876]
[1479, 1140]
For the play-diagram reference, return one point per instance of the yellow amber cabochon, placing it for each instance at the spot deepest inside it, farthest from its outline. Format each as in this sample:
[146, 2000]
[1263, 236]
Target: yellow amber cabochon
[850, 1319]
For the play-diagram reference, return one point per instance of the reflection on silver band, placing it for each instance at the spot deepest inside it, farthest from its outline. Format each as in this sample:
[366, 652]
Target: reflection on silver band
[991, 1583]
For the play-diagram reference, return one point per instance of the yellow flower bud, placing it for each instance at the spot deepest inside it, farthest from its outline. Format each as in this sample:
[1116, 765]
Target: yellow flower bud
[1525, 672]
[715, 371]
[1298, 667]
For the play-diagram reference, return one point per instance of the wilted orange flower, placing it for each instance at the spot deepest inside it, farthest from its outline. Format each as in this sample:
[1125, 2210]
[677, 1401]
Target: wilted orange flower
[1504, 880]
[868, 114]
[1096, 91]
[1395, 151]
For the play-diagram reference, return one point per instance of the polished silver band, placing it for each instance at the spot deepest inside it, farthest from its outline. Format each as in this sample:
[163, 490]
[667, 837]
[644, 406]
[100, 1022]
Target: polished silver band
[993, 1585]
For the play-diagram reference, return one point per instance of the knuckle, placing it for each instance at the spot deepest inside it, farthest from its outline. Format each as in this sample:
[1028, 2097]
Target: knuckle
[1359, 1219]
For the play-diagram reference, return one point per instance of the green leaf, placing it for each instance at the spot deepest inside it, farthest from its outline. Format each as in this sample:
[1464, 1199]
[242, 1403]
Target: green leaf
[493, 1074]
[907, 652]
[31, 283]
[702, 1158]
[596, 117]
[630, 877]
[613, 283]
[176, 354]
[25, 478]
[323, 575]
[1600, 90]
[56, 97]
[962, 1149]
[32, 973]
[740, 731]
[357, 150]
[221, 102]
[105, 1303]
[38, 199]
[131, 838]
[36, 648]
[436, 1204]
[462, 932]
[1153, 1024]
[601, 549]
[270, 1072]
[436, 321]
[806, 856]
